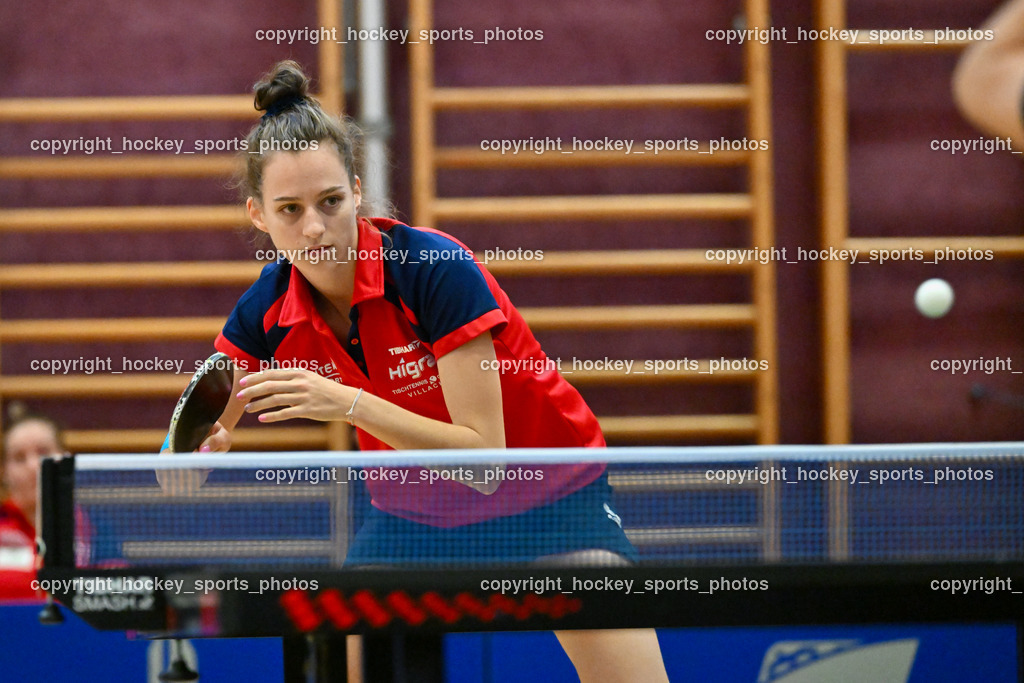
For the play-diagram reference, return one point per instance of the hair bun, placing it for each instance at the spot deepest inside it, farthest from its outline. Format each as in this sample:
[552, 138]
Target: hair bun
[282, 85]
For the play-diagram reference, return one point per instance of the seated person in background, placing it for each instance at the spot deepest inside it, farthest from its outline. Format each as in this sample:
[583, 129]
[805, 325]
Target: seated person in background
[27, 440]
[988, 84]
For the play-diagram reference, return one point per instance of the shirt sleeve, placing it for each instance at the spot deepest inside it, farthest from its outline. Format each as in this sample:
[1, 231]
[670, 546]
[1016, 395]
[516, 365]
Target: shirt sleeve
[443, 291]
[242, 343]
[244, 337]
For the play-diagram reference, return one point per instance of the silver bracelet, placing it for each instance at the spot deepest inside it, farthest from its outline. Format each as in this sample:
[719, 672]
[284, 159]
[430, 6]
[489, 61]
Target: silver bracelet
[348, 415]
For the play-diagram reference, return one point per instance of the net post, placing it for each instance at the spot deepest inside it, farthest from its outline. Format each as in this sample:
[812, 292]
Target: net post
[57, 511]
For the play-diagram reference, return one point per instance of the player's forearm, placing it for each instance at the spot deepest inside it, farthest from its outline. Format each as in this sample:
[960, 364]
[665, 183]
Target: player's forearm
[236, 407]
[184, 481]
[405, 430]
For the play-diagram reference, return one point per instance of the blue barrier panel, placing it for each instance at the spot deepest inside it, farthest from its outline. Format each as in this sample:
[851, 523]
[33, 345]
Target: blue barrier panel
[74, 652]
[914, 654]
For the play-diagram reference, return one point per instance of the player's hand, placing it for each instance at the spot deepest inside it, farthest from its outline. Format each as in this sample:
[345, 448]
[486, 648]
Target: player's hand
[297, 394]
[219, 440]
[186, 482]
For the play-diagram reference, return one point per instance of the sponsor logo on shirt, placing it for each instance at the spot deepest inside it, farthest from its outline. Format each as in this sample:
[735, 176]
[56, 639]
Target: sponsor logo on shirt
[328, 370]
[399, 350]
[412, 369]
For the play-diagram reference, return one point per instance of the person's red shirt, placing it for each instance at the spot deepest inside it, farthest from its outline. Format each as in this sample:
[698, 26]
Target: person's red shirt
[17, 554]
[418, 295]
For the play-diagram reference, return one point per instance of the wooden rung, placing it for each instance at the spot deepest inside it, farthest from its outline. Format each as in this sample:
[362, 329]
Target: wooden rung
[116, 218]
[926, 44]
[547, 318]
[225, 273]
[599, 207]
[650, 481]
[120, 166]
[643, 372]
[110, 379]
[638, 317]
[1008, 247]
[189, 274]
[695, 534]
[633, 262]
[162, 108]
[102, 384]
[111, 329]
[474, 157]
[149, 440]
[212, 273]
[146, 552]
[221, 493]
[666, 427]
[590, 97]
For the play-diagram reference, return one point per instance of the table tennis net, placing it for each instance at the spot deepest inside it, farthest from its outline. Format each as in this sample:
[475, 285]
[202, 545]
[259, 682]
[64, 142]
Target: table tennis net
[742, 505]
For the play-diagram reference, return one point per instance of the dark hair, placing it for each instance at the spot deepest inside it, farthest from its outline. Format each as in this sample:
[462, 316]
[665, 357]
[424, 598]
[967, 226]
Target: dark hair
[17, 415]
[293, 121]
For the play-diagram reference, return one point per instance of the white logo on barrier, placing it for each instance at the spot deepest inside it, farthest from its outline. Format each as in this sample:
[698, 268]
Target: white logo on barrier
[822, 661]
[612, 516]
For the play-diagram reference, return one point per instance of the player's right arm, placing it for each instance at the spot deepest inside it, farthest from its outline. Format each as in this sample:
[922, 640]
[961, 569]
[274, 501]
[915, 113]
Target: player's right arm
[185, 481]
[988, 84]
[219, 440]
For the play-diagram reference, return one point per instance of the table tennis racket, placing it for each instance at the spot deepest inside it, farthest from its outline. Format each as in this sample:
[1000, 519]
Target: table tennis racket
[201, 404]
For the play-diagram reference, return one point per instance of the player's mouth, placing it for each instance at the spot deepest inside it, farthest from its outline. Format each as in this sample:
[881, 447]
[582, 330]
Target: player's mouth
[321, 252]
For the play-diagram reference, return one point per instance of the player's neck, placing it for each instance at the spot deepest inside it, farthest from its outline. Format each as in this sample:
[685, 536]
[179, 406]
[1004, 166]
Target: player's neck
[335, 313]
[333, 285]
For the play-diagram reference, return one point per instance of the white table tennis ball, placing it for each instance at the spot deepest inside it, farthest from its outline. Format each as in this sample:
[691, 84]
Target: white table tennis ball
[934, 298]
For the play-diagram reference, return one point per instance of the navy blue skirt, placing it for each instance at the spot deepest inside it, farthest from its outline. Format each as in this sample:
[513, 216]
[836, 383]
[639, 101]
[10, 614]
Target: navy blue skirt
[583, 520]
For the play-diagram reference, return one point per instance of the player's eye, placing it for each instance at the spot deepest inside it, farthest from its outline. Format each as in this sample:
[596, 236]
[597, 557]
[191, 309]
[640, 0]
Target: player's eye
[333, 200]
[289, 208]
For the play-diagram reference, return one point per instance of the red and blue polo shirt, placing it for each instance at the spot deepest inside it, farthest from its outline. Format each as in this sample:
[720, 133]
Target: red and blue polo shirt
[418, 295]
[17, 554]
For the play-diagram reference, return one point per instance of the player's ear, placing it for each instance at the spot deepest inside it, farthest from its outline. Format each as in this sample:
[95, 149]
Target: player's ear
[255, 214]
[357, 192]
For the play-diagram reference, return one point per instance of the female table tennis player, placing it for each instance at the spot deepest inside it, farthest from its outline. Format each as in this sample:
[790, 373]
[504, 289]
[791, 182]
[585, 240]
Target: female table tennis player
[397, 329]
[26, 441]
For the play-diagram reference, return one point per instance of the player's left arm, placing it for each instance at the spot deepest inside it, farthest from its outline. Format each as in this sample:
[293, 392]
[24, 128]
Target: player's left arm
[472, 394]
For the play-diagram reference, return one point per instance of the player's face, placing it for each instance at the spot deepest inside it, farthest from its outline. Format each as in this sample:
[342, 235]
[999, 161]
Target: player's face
[309, 208]
[24, 447]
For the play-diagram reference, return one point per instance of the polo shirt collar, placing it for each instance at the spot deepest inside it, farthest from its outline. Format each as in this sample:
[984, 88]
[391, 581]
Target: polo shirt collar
[298, 305]
[369, 280]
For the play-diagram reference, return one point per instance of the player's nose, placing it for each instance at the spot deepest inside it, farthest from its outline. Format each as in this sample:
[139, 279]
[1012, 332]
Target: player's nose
[313, 227]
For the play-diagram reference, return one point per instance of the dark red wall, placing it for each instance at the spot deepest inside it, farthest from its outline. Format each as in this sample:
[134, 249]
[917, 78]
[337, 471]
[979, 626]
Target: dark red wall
[898, 186]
